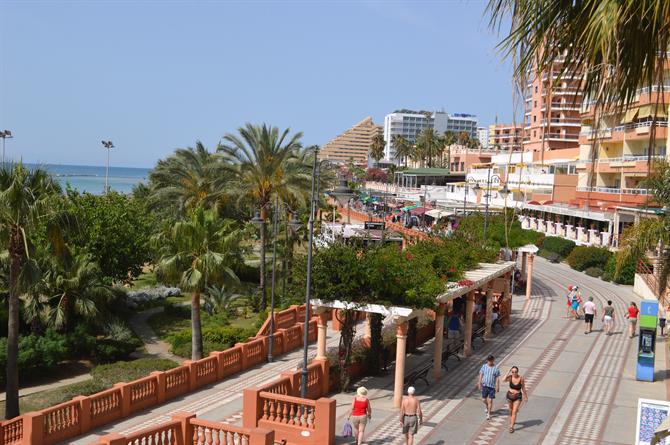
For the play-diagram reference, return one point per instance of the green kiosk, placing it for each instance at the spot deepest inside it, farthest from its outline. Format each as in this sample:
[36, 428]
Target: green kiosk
[647, 344]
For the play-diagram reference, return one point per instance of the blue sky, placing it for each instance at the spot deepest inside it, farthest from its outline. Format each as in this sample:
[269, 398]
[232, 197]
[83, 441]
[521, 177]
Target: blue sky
[153, 76]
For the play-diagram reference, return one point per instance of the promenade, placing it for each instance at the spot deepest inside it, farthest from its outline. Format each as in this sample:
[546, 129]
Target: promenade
[581, 387]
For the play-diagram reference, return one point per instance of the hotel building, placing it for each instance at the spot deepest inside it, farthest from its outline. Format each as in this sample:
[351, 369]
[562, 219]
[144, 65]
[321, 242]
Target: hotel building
[504, 137]
[352, 145]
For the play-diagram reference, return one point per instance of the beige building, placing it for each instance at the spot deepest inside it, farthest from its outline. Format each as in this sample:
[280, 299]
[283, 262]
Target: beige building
[352, 145]
[505, 137]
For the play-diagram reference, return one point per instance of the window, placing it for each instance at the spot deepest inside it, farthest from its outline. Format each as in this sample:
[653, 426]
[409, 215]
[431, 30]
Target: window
[534, 118]
[535, 103]
[534, 133]
[536, 88]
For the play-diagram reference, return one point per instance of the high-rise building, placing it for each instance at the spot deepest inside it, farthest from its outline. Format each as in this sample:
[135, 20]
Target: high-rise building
[552, 104]
[505, 137]
[352, 145]
[483, 136]
[409, 123]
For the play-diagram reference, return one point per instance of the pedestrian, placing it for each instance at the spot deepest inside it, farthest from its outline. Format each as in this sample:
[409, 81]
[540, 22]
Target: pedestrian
[516, 393]
[589, 314]
[631, 315]
[411, 416]
[608, 317]
[568, 297]
[360, 413]
[662, 313]
[454, 328]
[489, 383]
[576, 301]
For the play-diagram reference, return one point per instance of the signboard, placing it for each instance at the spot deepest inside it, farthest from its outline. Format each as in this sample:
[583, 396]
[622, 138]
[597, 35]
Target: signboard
[374, 225]
[650, 415]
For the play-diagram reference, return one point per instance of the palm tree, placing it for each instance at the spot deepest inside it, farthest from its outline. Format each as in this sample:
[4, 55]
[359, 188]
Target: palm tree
[449, 139]
[24, 195]
[188, 178]
[266, 163]
[403, 149]
[377, 147]
[429, 143]
[613, 42]
[74, 283]
[220, 300]
[651, 233]
[198, 252]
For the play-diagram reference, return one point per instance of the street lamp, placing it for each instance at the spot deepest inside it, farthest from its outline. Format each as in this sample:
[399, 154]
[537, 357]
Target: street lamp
[292, 227]
[465, 198]
[342, 194]
[108, 145]
[4, 135]
[504, 191]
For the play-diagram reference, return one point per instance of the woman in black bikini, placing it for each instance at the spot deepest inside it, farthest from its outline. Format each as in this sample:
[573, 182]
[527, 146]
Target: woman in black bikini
[517, 392]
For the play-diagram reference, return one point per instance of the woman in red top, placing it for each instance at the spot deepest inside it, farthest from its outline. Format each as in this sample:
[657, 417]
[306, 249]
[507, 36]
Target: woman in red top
[631, 315]
[360, 413]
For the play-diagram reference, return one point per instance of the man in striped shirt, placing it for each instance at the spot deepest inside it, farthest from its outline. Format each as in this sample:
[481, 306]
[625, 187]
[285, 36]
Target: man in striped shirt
[489, 383]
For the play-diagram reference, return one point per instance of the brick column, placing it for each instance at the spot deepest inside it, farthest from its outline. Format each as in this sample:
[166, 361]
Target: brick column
[467, 333]
[322, 329]
[439, 340]
[529, 279]
[524, 255]
[401, 344]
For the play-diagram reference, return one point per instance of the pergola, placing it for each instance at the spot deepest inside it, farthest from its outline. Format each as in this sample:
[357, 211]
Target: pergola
[527, 257]
[481, 279]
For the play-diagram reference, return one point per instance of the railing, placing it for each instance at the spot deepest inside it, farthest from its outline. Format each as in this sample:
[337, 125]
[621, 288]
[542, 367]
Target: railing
[83, 413]
[615, 190]
[215, 433]
[166, 433]
[645, 124]
[12, 431]
[61, 421]
[563, 137]
[287, 410]
[563, 121]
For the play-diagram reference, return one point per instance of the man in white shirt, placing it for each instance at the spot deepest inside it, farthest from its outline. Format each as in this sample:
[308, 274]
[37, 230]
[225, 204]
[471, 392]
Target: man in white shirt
[589, 314]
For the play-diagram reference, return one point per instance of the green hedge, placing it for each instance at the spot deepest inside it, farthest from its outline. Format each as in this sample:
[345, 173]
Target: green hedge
[595, 272]
[560, 246]
[626, 275]
[213, 339]
[583, 257]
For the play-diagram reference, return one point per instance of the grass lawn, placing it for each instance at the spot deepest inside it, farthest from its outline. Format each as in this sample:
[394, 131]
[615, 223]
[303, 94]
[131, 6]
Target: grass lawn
[104, 376]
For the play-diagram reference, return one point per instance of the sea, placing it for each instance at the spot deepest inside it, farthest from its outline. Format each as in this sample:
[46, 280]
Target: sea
[91, 179]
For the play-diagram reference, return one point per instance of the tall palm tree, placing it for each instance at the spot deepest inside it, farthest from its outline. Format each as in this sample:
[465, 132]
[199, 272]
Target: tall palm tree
[403, 148]
[429, 143]
[196, 253]
[377, 147]
[24, 195]
[188, 178]
[266, 163]
[449, 139]
[651, 233]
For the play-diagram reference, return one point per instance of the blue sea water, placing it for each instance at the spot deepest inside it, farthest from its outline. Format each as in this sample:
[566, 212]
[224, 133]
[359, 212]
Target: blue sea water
[89, 178]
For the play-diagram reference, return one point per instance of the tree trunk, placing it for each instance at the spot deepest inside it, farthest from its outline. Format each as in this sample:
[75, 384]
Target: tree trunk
[16, 254]
[264, 297]
[375, 343]
[346, 340]
[196, 327]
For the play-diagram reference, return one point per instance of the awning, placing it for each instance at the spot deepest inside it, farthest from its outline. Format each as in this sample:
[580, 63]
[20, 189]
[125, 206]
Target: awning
[631, 115]
[437, 214]
[406, 208]
[547, 202]
[418, 211]
[537, 203]
[648, 111]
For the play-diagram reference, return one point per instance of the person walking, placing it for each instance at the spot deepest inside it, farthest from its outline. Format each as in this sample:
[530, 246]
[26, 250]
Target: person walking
[360, 413]
[662, 314]
[411, 416]
[489, 383]
[516, 393]
[589, 314]
[631, 315]
[608, 317]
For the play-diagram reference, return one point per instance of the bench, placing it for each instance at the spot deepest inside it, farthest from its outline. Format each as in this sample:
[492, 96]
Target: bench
[479, 333]
[419, 374]
[452, 350]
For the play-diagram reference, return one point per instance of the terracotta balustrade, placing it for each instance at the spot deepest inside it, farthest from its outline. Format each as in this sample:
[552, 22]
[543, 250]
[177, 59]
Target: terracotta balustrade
[83, 413]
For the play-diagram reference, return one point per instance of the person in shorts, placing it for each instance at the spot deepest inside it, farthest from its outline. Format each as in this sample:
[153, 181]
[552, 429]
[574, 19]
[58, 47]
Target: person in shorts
[631, 314]
[608, 317]
[489, 383]
[360, 413]
[662, 314]
[410, 415]
[589, 314]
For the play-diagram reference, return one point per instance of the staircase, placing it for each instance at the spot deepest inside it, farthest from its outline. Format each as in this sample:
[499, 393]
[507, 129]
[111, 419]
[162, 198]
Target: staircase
[646, 282]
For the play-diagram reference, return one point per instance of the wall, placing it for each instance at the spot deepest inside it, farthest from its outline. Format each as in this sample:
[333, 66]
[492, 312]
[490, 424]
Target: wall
[641, 289]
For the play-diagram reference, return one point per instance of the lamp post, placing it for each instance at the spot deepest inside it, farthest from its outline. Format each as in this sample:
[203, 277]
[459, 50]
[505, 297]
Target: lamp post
[465, 198]
[108, 145]
[5, 135]
[308, 289]
[292, 227]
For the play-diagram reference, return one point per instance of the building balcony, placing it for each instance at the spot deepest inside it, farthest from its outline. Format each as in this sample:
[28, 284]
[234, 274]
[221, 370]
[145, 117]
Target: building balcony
[566, 137]
[603, 195]
[580, 235]
[566, 121]
[567, 91]
[562, 106]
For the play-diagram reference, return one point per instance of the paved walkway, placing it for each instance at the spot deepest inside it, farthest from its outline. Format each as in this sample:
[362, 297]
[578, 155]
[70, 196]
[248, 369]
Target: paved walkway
[47, 386]
[582, 388]
[154, 345]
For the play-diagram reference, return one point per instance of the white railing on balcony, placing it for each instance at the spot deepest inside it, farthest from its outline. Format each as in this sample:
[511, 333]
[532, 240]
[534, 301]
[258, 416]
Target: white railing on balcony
[563, 121]
[580, 235]
[614, 190]
[563, 137]
[592, 134]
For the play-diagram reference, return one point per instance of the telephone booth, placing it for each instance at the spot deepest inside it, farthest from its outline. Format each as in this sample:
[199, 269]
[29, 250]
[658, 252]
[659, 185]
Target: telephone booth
[648, 319]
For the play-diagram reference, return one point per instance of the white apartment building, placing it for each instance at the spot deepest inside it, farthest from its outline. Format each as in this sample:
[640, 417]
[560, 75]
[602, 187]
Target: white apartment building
[409, 124]
[483, 136]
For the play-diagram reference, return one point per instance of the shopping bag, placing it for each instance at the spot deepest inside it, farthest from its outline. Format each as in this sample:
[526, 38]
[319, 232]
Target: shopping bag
[347, 431]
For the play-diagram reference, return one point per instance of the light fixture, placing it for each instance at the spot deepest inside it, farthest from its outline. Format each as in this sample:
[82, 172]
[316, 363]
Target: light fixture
[257, 220]
[504, 191]
[294, 224]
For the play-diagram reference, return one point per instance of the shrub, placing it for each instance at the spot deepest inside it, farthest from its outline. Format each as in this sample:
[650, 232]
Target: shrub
[126, 371]
[80, 343]
[110, 350]
[626, 275]
[178, 310]
[594, 272]
[119, 331]
[37, 353]
[213, 339]
[561, 246]
[583, 257]
[550, 256]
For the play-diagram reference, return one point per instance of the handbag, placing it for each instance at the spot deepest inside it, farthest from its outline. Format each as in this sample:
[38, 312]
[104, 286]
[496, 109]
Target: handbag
[347, 430]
